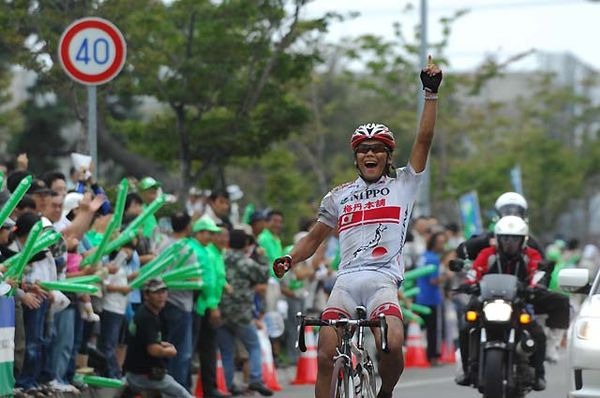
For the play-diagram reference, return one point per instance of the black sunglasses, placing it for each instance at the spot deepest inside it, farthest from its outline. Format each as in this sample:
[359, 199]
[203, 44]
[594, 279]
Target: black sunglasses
[375, 148]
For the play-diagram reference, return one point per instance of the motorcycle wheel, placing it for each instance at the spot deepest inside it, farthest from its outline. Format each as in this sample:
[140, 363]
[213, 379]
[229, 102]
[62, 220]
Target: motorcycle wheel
[340, 380]
[494, 374]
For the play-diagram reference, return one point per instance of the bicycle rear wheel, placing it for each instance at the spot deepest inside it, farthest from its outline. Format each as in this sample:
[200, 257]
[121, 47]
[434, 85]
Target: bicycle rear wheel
[340, 380]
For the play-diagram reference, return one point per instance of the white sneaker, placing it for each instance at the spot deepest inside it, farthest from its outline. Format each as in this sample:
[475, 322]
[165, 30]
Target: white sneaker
[93, 317]
[59, 387]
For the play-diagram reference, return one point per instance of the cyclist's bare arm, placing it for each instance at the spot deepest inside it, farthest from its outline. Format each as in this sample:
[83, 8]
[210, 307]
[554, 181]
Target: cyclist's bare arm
[302, 250]
[422, 144]
[431, 77]
[308, 245]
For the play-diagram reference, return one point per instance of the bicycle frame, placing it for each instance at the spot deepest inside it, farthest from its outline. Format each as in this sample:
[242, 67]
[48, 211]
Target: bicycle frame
[349, 380]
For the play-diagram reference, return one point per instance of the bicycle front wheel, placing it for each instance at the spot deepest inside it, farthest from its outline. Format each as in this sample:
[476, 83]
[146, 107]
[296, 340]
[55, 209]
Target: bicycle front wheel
[340, 380]
[369, 383]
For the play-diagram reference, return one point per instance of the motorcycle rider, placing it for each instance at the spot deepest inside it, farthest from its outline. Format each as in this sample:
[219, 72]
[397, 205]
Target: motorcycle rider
[510, 254]
[509, 203]
[554, 304]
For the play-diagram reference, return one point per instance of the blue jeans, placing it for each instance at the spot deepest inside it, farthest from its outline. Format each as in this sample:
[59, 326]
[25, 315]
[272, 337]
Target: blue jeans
[61, 346]
[110, 328]
[35, 322]
[248, 336]
[180, 335]
[168, 387]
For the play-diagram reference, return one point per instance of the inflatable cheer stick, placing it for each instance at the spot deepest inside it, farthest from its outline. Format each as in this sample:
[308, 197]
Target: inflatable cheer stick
[420, 272]
[15, 198]
[184, 285]
[131, 231]
[70, 287]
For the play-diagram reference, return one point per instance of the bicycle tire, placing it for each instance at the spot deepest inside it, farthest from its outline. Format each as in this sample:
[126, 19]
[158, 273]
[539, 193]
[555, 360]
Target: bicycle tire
[369, 383]
[340, 380]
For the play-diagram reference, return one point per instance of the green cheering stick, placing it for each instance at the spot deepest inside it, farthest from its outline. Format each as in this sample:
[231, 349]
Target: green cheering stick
[189, 272]
[156, 266]
[411, 316]
[113, 225]
[120, 202]
[153, 271]
[15, 198]
[131, 231]
[47, 239]
[411, 292]
[184, 285]
[84, 279]
[70, 287]
[105, 382]
[16, 271]
[420, 272]
[420, 309]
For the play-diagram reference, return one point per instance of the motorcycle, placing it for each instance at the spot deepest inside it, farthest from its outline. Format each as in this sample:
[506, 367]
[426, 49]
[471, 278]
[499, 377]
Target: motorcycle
[500, 345]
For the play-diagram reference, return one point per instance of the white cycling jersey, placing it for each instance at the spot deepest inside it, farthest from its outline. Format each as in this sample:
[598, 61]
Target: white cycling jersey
[372, 220]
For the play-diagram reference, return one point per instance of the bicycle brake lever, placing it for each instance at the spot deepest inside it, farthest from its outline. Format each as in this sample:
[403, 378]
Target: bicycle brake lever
[300, 342]
[383, 330]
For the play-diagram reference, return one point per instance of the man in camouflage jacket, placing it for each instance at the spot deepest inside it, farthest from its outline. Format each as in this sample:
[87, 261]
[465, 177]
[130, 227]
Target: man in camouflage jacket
[236, 307]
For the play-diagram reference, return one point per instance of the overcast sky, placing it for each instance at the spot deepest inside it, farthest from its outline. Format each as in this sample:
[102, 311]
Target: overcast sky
[503, 27]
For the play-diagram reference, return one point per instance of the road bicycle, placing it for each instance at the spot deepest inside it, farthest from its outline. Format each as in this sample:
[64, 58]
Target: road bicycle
[353, 369]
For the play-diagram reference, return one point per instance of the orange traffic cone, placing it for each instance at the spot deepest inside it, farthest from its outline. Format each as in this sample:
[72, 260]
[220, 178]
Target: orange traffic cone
[448, 354]
[221, 383]
[306, 367]
[415, 357]
[269, 372]
[199, 392]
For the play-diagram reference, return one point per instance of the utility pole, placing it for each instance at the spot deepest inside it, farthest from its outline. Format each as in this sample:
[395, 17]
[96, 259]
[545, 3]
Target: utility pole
[423, 205]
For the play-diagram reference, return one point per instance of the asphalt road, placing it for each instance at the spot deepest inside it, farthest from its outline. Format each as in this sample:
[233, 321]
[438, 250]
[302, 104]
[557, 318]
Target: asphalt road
[433, 382]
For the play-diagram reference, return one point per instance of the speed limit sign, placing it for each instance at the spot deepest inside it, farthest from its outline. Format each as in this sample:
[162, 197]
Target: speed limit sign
[92, 51]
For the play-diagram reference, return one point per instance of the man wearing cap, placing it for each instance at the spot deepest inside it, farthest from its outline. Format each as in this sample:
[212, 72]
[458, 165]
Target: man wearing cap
[40, 193]
[207, 305]
[147, 353]
[148, 190]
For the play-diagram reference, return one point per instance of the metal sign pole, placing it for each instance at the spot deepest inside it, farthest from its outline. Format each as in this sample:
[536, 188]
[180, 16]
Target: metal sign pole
[92, 127]
[423, 205]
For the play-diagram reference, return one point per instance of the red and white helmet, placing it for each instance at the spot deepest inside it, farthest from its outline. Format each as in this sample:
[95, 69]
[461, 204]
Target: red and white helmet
[373, 131]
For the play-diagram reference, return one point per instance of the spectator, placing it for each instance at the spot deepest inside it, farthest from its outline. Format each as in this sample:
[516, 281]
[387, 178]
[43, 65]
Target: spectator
[41, 268]
[207, 306]
[178, 311]
[113, 308]
[430, 294]
[148, 191]
[269, 238]
[145, 362]
[219, 206]
[195, 203]
[243, 274]
[134, 205]
[56, 181]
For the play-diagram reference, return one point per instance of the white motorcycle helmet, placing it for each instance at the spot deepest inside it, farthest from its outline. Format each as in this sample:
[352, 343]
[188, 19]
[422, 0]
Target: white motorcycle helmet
[511, 203]
[511, 233]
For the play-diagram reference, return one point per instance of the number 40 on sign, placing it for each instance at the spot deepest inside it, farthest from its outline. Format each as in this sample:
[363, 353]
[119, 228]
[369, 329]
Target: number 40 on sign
[92, 51]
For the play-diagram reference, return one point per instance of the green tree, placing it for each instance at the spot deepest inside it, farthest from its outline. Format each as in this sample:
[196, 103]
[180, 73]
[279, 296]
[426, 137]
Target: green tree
[223, 71]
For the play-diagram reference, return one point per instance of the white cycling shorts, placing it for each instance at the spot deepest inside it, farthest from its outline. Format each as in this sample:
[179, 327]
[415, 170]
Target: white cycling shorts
[376, 291]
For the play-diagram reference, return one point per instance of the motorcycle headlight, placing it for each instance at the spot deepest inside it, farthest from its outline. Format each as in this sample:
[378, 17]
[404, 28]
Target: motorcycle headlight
[588, 329]
[497, 311]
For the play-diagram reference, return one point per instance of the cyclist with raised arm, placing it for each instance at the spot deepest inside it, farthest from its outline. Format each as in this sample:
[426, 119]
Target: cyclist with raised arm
[371, 215]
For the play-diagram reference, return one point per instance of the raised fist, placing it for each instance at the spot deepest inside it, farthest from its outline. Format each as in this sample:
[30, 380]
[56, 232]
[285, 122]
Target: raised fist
[431, 77]
[281, 265]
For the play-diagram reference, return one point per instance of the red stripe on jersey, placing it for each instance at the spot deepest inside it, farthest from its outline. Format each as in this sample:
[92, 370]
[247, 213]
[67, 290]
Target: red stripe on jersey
[387, 214]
